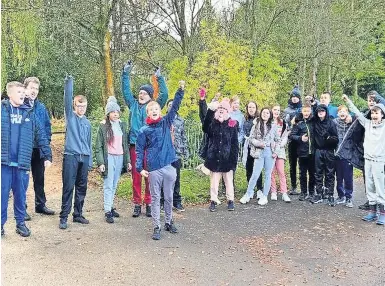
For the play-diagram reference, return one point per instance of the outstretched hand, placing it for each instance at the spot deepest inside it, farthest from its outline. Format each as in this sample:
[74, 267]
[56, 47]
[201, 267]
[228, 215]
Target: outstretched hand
[345, 97]
[157, 71]
[182, 84]
[128, 66]
[213, 105]
[202, 93]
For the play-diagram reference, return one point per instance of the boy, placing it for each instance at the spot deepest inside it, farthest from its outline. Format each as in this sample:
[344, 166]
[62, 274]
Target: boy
[344, 170]
[19, 129]
[155, 139]
[325, 99]
[77, 159]
[303, 134]
[325, 142]
[32, 85]
[374, 154]
[136, 121]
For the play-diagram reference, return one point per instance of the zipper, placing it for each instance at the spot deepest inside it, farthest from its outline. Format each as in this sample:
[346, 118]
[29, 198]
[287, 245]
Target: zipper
[308, 135]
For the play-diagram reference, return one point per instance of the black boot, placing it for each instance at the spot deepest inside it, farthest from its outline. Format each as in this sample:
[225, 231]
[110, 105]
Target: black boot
[364, 206]
[109, 217]
[137, 211]
[148, 210]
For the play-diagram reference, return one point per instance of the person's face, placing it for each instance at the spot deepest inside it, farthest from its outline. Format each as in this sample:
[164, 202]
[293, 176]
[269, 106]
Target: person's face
[32, 90]
[265, 115]
[306, 111]
[153, 111]
[221, 114]
[276, 112]
[114, 115]
[371, 102]
[235, 105]
[143, 97]
[342, 114]
[169, 106]
[321, 114]
[80, 108]
[252, 109]
[325, 99]
[376, 115]
[16, 95]
[294, 99]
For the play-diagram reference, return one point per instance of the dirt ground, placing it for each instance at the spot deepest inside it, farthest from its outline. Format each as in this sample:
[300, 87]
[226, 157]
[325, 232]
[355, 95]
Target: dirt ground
[279, 244]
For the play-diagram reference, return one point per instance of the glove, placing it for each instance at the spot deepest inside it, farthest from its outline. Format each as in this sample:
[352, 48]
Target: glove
[128, 66]
[202, 93]
[157, 72]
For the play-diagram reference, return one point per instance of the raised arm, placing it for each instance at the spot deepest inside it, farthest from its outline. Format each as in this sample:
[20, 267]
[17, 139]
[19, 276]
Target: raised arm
[163, 91]
[209, 117]
[170, 116]
[361, 118]
[126, 86]
[68, 97]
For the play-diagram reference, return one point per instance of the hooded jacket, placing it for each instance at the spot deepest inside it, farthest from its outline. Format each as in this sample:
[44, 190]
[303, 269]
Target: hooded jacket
[240, 117]
[302, 127]
[325, 131]
[291, 111]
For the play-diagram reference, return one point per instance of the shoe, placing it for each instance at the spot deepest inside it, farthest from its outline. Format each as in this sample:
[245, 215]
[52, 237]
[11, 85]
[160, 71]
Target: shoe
[27, 217]
[114, 213]
[213, 206]
[259, 194]
[263, 200]
[63, 223]
[286, 198]
[364, 206]
[170, 227]
[23, 230]
[331, 201]
[81, 219]
[341, 201]
[294, 192]
[179, 207]
[137, 211]
[245, 199]
[309, 197]
[302, 197]
[148, 210]
[44, 210]
[372, 214]
[317, 199]
[2, 230]
[381, 217]
[109, 217]
[230, 206]
[156, 234]
[349, 203]
[274, 197]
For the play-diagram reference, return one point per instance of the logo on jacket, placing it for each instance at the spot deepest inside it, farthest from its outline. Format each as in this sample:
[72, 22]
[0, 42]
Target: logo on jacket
[16, 118]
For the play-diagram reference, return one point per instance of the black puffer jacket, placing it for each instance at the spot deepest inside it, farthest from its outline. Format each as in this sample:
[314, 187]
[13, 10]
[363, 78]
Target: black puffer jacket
[222, 144]
[304, 126]
[247, 125]
[325, 132]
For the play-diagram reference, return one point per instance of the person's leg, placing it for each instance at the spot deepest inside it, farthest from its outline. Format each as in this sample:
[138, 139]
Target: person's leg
[348, 180]
[269, 163]
[257, 169]
[339, 163]
[330, 172]
[177, 198]
[147, 194]
[249, 166]
[136, 179]
[6, 185]
[311, 170]
[370, 185]
[69, 171]
[38, 169]
[81, 186]
[19, 191]
[108, 184]
[156, 181]
[303, 167]
[169, 177]
[215, 178]
[292, 152]
[117, 173]
[273, 187]
[228, 179]
[280, 167]
[260, 182]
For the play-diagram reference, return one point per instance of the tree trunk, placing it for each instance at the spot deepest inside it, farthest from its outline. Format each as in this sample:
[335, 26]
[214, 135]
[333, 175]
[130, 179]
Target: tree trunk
[108, 67]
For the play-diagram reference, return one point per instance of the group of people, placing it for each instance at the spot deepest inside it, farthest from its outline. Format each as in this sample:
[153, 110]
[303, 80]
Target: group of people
[325, 140]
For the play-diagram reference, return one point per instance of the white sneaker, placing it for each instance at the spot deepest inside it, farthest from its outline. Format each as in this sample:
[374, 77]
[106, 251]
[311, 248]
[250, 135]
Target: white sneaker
[263, 200]
[286, 198]
[259, 194]
[218, 202]
[274, 197]
[245, 199]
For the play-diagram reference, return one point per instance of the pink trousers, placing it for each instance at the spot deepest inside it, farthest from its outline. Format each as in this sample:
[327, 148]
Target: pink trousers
[279, 168]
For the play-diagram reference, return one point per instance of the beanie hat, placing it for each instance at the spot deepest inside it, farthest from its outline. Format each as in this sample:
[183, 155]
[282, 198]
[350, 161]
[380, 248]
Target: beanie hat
[295, 92]
[380, 106]
[225, 104]
[321, 107]
[148, 88]
[112, 105]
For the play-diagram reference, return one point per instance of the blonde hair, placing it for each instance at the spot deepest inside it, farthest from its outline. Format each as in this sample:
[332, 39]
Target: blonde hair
[13, 84]
[150, 104]
[234, 98]
[31, 79]
[342, 107]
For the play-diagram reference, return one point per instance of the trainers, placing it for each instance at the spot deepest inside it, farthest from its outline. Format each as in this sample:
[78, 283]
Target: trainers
[293, 191]
[274, 197]
[364, 206]
[156, 234]
[179, 207]
[309, 197]
[63, 223]
[381, 217]
[170, 227]
[263, 200]
[286, 198]
[341, 201]
[44, 210]
[372, 214]
[213, 206]
[331, 201]
[259, 194]
[137, 211]
[349, 203]
[302, 197]
[114, 213]
[81, 219]
[245, 199]
[317, 199]
[148, 210]
[109, 217]
[23, 230]
[27, 217]
[230, 205]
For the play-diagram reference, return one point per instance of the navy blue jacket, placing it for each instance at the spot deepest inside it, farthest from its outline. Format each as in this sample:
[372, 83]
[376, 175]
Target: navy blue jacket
[30, 130]
[156, 140]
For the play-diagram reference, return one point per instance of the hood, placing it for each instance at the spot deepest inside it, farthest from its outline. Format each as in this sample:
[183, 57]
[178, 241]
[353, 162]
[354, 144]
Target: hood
[294, 105]
[380, 106]
[321, 107]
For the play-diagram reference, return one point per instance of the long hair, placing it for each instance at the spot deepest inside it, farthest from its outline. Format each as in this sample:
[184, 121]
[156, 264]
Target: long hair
[109, 132]
[279, 119]
[261, 123]
[247, 114]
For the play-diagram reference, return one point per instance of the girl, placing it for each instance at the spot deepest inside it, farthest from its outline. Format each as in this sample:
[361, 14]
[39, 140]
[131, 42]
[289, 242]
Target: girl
[111, 154]
[263, 136]
[281, 157]
[222, 150]
[237, 115]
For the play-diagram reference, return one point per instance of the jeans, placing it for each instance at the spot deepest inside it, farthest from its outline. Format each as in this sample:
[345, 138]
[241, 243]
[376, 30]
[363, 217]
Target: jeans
[249, 170]
[344, 173]
[264, 161]
[115, 165]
